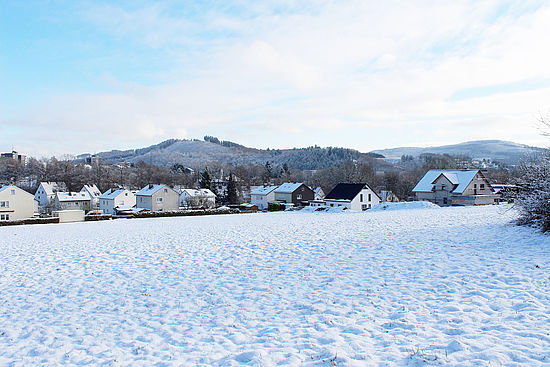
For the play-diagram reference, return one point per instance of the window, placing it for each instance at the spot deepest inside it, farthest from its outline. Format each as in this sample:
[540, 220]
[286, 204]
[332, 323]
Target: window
[159, 200]
[364, 207]
[12, 192]
[369, 197]
[165, 190]
[444, 201]
[443, 187]
[475, 186]
[299, 196]
[4, 204]
[482, 186]
[361, 198]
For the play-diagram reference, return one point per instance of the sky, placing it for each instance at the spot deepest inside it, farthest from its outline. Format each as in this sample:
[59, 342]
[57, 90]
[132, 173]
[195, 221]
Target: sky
[82, 76]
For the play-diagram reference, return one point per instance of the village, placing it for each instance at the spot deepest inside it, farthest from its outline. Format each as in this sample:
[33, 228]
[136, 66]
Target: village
[53, 202]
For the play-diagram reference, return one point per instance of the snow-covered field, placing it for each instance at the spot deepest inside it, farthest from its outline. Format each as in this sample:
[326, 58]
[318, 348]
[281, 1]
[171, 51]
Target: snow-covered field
[449, 286]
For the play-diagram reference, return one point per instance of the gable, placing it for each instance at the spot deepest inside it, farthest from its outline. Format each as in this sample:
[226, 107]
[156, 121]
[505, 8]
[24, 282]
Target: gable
[444, 180]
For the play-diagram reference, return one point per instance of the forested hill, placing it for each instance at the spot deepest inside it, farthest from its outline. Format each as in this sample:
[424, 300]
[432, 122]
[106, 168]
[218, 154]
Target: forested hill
[197, 153]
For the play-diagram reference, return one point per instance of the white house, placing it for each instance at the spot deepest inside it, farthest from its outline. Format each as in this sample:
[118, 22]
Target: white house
[72, 201]
[455, 187]
[353, 196]
[389, 196]
[158, 198]
[45, 193]
[114, 200]
[262, 195]
[15, 203]
[197, 198]
[94, 194]
[319, 193]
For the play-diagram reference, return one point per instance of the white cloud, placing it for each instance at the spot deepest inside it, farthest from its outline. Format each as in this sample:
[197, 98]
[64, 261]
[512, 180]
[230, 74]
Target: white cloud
[333, 73]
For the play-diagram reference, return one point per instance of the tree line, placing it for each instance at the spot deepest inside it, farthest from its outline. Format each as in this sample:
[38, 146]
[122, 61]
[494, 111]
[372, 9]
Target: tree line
[237, 180]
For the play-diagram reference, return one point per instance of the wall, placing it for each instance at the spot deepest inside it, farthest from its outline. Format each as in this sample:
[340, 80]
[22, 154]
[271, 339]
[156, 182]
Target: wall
[21, 203]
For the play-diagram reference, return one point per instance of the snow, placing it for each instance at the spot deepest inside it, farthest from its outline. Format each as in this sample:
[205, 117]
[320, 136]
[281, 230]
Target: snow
[288, 187]
[112, 194]
[150, 190]
[454, 286]
[92, 190]
[198, 192]
[263, 190]
[404, 205]
[72, 196]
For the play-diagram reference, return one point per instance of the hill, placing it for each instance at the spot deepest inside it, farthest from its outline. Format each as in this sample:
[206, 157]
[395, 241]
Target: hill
[196, 153]
[496, 150]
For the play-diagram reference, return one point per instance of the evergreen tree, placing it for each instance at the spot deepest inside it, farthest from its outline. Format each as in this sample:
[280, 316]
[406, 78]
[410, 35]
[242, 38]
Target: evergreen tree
[205, 180]
[268, 173]
[232, 196]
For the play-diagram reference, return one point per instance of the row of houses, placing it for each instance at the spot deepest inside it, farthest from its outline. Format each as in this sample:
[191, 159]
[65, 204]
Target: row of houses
[154, 198]
[442, 187]
[353, 196]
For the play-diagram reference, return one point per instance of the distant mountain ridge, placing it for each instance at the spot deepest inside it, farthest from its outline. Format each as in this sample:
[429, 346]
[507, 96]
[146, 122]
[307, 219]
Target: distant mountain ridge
[497, 150]
[197, 153]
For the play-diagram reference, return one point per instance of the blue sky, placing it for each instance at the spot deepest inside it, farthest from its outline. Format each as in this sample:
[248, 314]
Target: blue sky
[86, 76]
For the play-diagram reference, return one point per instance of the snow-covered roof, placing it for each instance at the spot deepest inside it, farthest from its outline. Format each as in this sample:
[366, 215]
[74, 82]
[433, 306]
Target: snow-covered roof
[72, 196]
[92, 190]
[288, 187]
[263, 190]
[112, 194]
[48, 187]
[150, 190]
[460, 178]
[198, 192]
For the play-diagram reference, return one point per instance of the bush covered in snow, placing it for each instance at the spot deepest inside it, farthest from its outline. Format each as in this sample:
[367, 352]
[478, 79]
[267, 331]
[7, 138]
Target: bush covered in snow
[534, 195]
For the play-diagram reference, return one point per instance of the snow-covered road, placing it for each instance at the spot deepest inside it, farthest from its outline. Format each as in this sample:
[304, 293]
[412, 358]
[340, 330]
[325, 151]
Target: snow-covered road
[449, 286]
